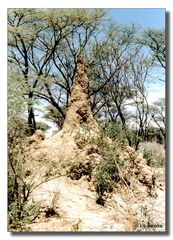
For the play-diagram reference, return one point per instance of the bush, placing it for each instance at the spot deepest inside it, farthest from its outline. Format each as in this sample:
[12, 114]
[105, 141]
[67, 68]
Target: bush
[123, 134]
[153, 159]
[20, 209]
[148, 155]
[107, 176]
[109, 171]
[19, 214]
[115, 131]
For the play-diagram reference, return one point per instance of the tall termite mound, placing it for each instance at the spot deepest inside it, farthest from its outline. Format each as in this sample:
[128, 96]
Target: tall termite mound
[79, 108]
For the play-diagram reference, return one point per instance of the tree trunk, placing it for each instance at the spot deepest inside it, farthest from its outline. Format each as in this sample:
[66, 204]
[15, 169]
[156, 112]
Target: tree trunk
[123, 121]
[31, 120]
[31, 116]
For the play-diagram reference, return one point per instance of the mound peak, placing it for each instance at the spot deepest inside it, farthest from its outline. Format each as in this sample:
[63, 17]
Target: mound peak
[79, 108]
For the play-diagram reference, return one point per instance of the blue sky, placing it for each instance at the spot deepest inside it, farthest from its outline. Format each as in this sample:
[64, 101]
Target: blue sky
[145, 17]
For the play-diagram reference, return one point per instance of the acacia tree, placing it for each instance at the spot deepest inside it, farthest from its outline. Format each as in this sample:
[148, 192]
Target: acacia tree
[110, 83]
[157, 112]
[25, 27]
[65, 57]
[155, 40]
[37, 39]
[139, 72]
[23, 30]
[119, 73]
[16, 103]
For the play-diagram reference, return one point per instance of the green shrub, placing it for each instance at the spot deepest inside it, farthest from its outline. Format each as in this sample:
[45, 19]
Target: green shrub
[153, 160]
[148, 155]
[107, 175]
[108, 172]
[20, 209]
[20, 214]
[115, 131]
[123, 134]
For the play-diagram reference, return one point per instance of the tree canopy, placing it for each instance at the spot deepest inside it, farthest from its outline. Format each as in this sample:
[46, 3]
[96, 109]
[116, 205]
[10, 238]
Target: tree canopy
[43, 45]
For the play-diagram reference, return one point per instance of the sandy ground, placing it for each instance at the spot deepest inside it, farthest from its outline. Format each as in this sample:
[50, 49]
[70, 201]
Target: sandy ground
[76, 209]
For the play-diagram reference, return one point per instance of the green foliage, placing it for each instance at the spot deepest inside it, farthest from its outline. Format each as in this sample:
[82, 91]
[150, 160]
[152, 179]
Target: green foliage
[55, 116]
[42, 126]
[148, 155]
[42, 48]
[157, 112]
[20, 209]
[51, 169]
[20, 215]
[122, 134]
[153, 159]
[16, 102]
[158, 107]
[109, 171]
[107, 175]
[155, 39]
[115, 131]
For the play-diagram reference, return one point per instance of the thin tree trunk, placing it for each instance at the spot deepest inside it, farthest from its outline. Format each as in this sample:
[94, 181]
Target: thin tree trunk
[123, 120]
[31, 116]
[31, 120]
